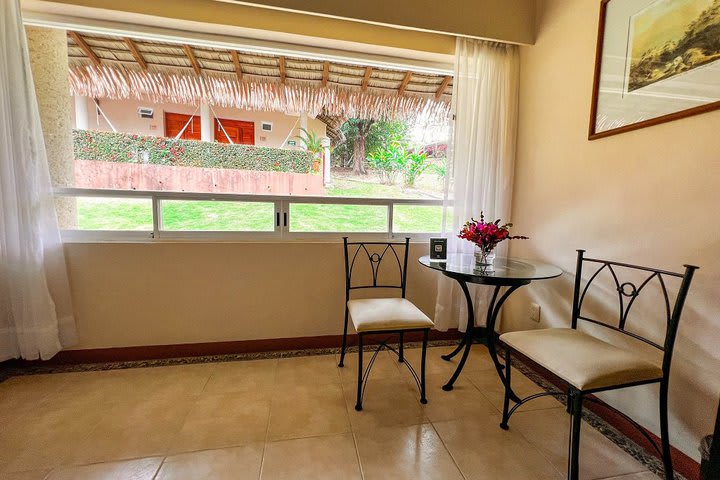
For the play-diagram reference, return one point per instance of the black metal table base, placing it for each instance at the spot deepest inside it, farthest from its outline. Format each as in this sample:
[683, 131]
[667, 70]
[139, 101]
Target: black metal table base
[466, 343]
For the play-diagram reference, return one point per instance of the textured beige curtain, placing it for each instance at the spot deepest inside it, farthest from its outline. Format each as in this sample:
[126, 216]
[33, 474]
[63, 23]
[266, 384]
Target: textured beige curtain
[485, 104]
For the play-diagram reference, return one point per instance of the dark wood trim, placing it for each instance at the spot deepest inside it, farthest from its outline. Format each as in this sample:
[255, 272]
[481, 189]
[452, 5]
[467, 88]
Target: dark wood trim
[443, 86]
[136, 53]
[82, 44]
[155, 352]
[592, 134]
[191, 57]
[682, 464]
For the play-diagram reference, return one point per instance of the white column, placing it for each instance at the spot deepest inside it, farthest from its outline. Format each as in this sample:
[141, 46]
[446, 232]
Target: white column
[207, 125]
[326, 160]
[304, 120]
[82, 121]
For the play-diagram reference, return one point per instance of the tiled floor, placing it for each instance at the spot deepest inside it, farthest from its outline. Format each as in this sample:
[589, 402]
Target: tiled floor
[288, 418]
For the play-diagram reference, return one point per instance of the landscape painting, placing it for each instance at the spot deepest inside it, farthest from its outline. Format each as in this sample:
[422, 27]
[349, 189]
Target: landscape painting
[670, 37]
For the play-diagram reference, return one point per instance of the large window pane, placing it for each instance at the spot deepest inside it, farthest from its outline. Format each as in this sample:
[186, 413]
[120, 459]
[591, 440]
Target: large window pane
[113, 214]
[196, 215]
[417, 218]
[310, 217]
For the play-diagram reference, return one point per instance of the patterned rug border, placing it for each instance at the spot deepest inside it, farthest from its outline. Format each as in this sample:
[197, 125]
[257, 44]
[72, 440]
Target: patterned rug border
[633, 449]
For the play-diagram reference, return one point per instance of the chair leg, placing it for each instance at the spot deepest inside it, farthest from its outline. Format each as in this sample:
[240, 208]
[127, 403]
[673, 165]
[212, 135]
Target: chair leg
[344, 341]
[358, 404]
[576, 400]
[665, 432]
[506, 400]
[423, 398]
[401, 353]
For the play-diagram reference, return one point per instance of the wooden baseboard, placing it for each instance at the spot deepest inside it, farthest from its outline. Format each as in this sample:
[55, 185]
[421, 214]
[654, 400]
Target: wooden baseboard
[684, 465]
[157, 352]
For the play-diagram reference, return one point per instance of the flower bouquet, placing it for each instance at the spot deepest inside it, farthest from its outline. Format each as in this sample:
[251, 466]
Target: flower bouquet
[486, 236]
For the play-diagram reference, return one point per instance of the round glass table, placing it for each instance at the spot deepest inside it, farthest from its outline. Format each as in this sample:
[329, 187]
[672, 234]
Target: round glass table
[508, 273]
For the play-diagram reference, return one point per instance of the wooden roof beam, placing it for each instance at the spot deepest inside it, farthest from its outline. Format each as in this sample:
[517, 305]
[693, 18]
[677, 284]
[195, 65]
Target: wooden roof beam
[326, 73]
[443, 86]
[404, 83]
[366, 78]
[281, 66]
[238, 67]
[191, 56]
[136, 53]
[80, 42]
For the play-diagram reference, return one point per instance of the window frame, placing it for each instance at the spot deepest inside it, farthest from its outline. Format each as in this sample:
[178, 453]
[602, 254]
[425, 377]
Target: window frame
[281, 232]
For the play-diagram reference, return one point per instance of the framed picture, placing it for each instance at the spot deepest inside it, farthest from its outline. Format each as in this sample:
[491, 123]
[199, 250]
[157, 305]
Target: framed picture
[656, 61]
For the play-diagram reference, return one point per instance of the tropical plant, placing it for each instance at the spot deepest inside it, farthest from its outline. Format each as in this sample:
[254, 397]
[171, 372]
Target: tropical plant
[415, 164]
[388, 162]
[311, 141]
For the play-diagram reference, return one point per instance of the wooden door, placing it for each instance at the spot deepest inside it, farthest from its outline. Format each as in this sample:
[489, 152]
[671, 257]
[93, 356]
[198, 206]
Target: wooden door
[239, 131]
[174, 123]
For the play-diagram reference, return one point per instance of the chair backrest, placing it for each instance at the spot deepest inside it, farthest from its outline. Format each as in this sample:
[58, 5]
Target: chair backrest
[395, 254]
[628, 292]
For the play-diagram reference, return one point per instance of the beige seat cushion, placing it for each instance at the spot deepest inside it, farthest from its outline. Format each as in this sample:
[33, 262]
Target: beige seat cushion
[374, 314]
[582, 360]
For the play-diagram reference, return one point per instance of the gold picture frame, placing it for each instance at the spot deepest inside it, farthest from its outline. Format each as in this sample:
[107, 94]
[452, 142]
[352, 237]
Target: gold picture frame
[656, 61]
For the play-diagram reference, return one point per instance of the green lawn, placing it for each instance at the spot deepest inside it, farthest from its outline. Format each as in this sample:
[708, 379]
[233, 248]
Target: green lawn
[136, 214]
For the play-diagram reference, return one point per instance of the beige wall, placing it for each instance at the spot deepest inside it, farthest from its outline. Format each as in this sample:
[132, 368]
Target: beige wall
[222, 14]
[168, 293]
[507, 20]
[649, 197]
[124, 117]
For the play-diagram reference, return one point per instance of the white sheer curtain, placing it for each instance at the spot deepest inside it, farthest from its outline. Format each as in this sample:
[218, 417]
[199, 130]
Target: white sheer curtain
[485, 103]
[36, 318]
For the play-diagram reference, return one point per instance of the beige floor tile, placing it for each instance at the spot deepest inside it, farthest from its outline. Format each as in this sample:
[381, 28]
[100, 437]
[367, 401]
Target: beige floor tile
[387, 402]
[22, 394]
[478, 360]
[405, 453]
[308, 410]
[309, 370]
[489, 384]
[86, 389]
[135, 429]
[243, 376]
[34, 475]
[464, 400]
[168, 382]
[239, 463]
[142, 469]
[47, 439]
[226, 420]
[318, 458]
[548, 430]
[636, 476]
[385, 366]
[483, 451]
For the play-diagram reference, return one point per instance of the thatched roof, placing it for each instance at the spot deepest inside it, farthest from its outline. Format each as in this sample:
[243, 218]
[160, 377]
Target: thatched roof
[115, 67]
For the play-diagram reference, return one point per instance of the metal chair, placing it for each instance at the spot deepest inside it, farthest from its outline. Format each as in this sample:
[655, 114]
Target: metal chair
[382, 316]
[589, 365]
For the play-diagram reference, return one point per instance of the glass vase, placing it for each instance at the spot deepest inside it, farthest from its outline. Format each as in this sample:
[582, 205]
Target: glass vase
[484, 258]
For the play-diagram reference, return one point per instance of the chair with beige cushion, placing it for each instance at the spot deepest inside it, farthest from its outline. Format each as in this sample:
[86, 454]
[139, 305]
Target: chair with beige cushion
[590, 365]
[390, 317]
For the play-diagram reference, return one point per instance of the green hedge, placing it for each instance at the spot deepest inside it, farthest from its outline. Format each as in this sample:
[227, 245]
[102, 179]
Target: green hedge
[129, 148]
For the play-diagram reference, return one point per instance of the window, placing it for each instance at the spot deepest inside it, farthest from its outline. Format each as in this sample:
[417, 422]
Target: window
[193, 164]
